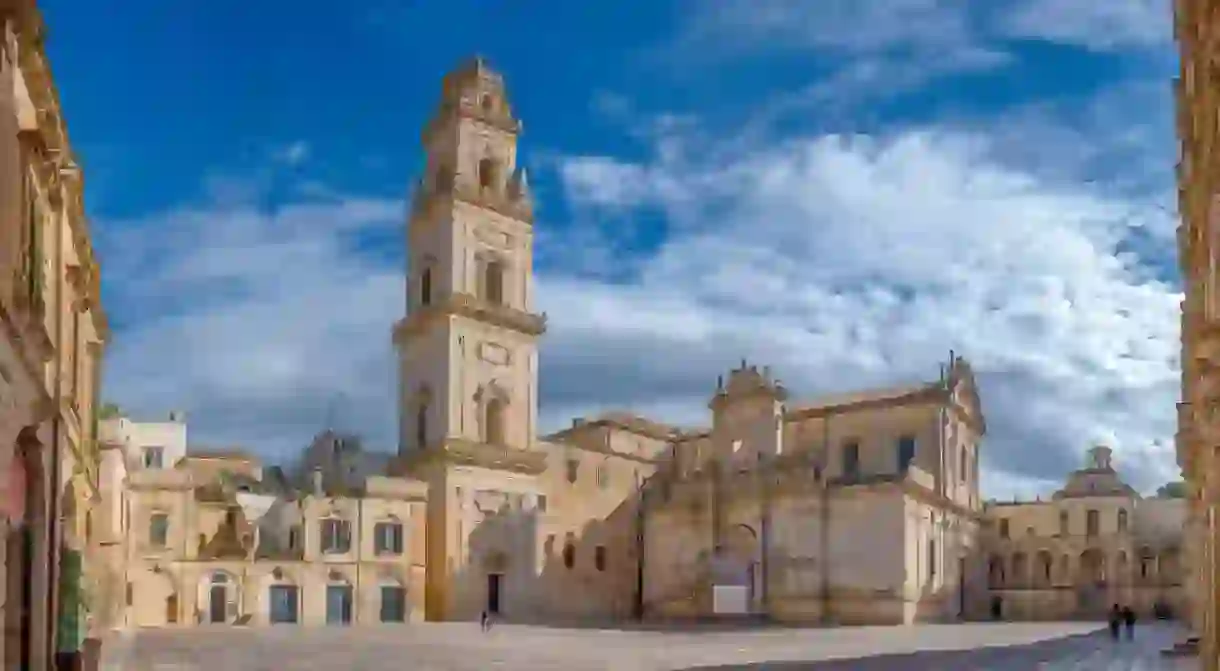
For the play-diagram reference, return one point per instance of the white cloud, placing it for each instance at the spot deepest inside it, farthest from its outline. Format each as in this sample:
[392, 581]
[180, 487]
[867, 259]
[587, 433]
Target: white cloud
[853, 261]
[292, 154]
[844, 262]
[1101, 26]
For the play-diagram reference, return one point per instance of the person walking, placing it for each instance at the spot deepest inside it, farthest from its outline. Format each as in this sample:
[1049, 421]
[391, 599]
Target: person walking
[1129, 620]
[485, 622]
[1116, 617]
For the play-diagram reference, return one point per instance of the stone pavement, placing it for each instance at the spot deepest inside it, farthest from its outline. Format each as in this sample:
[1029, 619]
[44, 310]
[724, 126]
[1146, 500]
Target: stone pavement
[462, 647]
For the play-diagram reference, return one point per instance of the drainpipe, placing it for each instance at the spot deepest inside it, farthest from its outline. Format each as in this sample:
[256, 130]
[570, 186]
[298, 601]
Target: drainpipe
[824, 526]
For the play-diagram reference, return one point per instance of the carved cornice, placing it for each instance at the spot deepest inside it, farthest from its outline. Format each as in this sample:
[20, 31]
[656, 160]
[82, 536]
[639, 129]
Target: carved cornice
[497, 200]
[471, 307]
[463, 452]
[468, 110]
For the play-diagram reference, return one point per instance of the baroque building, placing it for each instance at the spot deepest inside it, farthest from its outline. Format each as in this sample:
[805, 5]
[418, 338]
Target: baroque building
[53, 332]
[211, 537]
[1096, 543]
[623, 516]
[1196, 28]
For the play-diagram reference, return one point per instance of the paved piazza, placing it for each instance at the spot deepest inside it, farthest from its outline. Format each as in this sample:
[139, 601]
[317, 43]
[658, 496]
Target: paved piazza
[462, 647]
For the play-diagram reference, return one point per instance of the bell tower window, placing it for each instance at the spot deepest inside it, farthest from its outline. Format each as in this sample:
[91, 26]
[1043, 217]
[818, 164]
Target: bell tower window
[488, 173]
[493, 421]
[425, 287]
[493, 282]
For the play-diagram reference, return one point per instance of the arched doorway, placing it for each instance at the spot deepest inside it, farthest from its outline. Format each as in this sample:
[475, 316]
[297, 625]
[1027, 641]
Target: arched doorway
[495, 565]
[1091, 582]
[220, 597]
[736, 572]
[28, 479]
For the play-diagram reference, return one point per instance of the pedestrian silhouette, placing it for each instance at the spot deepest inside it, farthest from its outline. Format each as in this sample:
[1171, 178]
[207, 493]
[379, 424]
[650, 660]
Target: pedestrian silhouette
[1129, 620]
[1116, 618]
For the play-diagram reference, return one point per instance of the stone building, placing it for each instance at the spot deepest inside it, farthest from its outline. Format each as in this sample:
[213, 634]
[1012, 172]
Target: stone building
[51, 339]
[554, 527]
[213, 537]
[1196, 28]
[1095, 543]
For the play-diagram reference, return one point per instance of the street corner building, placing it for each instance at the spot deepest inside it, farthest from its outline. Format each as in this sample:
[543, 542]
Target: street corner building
[52, 333]
[1196, 28]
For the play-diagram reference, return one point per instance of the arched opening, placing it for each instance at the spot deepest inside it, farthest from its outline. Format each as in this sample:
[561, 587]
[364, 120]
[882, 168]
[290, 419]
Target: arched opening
[487, 102]
[493, 421]
[569, 555]
[489, 173]
[425, 287]
[421, 424]
[995, 572]
[735, 571]
[493, 282]
[1147, 564]
[1092, 567]
[1020, 571]
[1046, 563]
[171, 608]
[221, 599]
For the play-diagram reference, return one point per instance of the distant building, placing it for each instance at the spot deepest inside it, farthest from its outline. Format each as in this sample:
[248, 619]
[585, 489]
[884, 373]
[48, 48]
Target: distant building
[1096, 543]
[213, 537]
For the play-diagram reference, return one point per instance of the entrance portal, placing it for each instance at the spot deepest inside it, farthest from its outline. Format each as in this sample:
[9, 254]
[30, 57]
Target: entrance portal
[494, 584]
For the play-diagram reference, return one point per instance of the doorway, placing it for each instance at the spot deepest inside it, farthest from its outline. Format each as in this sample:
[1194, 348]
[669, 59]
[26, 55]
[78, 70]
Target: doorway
[339, 604]
[494, 585]
[217, 603]
[171, 609]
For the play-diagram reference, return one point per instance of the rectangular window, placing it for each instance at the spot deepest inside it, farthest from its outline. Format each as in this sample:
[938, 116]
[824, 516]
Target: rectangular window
[541, 505]
[336, 536]
[851, 459]
[906, 452]
[284, 604]
[158, 530]
[931, 560]
[387, 538]
[393, 603]
[1003, 528]
[1092, 523]
[573, 470]
[1063, 523]
[154, 457]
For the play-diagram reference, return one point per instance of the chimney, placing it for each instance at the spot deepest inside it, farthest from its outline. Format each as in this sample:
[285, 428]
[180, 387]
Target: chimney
[316, 482]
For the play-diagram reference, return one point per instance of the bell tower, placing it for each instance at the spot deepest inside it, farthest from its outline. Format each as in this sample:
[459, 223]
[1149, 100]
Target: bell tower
[467, 347]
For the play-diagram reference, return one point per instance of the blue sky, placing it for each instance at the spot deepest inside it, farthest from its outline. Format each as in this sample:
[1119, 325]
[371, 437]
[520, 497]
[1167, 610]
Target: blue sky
[842, 189]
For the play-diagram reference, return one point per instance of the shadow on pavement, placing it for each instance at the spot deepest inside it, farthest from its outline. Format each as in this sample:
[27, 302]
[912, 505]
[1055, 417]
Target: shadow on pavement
[998, 658]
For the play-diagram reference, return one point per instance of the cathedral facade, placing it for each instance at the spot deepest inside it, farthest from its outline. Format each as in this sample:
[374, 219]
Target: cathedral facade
[620, 516]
